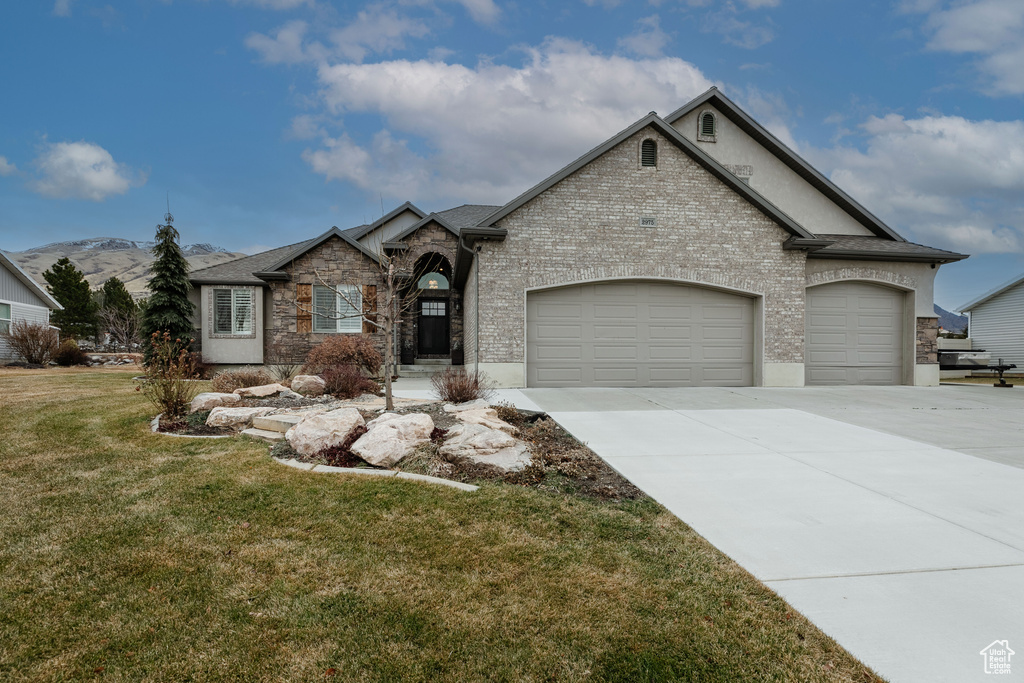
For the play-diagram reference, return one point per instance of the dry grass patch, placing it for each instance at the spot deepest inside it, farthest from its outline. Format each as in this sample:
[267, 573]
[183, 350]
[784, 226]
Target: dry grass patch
[129, 556]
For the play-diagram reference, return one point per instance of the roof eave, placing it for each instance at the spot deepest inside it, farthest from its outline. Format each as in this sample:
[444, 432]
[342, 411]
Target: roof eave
[866, 255]
[30, 282]
[465, 254]
[991, 294]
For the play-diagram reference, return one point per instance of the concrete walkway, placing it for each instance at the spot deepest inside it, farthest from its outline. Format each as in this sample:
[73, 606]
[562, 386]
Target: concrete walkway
[893, 517]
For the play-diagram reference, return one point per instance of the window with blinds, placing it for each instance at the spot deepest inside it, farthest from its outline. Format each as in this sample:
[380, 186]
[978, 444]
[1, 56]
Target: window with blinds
[232, 311]
[337, 309]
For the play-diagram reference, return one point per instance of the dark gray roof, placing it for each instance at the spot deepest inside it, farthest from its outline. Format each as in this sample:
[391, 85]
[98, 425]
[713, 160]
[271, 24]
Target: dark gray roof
[467, 215]
[787, 156]
[240, 271]
[358, 231]
[871, 248]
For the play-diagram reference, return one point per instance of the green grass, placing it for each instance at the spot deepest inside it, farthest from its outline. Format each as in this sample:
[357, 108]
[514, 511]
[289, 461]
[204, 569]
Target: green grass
[129, 556]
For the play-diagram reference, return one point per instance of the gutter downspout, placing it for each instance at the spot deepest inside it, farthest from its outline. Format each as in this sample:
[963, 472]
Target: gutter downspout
[478, 250]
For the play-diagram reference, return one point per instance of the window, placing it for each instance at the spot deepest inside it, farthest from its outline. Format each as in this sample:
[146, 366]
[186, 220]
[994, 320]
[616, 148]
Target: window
[649, 153]
[433, 281]
[232, 311]
[5, 317]
[432, 308]
[707, 127]
[337, 309]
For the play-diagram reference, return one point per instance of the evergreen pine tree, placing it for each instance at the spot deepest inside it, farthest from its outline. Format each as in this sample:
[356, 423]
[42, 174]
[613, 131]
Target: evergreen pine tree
[68, 286]
[116, 297]
[168, 308]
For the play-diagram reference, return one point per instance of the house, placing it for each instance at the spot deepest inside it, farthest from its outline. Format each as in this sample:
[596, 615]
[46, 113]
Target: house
[21, 298]
[996, 322]
[690, 250]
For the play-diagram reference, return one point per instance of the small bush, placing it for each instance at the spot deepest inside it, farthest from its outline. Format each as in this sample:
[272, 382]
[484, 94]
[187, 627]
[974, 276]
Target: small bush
[344, 349]
[239, 378]
[69, 354]
[280, 363]
[35, 342]
[346, 381]
[455, 385]
[200, 368]
[169, 381]
[342, 455]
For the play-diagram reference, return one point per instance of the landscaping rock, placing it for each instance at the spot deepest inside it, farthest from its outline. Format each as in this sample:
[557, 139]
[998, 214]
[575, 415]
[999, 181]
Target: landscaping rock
[318, 432]
[235, 418]
[309, 385]
[488, 417]
[484, 445]
[288, 393]
[391, 437]
[261, 391]
[210, 400]
[478, 404]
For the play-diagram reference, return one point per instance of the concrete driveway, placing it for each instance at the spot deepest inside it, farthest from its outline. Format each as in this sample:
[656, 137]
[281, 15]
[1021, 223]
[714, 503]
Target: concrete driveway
[893, 517]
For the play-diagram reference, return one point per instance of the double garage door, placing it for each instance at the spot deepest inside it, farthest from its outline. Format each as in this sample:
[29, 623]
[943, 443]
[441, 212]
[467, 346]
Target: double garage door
[636, 333]
[650, 334]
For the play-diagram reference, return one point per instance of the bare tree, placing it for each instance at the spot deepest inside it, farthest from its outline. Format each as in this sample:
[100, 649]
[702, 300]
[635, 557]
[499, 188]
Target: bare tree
[123, 326]
[394, 298]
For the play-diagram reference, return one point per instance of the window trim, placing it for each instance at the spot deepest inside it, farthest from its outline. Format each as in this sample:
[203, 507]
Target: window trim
[701, 136]
[5, 323]
[212, 312]
[341, 325]
[643, 144]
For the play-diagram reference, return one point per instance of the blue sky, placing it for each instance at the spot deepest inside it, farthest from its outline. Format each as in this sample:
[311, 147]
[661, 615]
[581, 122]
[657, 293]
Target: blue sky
[268, 121]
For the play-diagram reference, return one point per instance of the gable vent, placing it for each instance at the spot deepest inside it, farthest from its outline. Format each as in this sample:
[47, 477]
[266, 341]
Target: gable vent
[649, 153]
[707, 124]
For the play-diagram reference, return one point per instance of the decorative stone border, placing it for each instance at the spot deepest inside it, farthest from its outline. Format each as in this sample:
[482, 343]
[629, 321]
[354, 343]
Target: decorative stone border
[154, 426]
[377, 473]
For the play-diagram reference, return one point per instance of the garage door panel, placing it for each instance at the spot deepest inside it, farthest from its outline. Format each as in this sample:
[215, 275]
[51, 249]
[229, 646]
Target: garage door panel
[639, 334]
[854, 334]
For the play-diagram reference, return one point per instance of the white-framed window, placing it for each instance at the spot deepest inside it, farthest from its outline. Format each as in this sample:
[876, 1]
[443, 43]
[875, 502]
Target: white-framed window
[5, 317]
[233, 311]
[337, 309]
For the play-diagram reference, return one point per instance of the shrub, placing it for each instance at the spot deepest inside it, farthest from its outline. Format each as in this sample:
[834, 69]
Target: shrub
[35, 342]
[455, 385]
[346, 381]
[342, 455]
[344, 349]
[509, 413]
[170, 376]
[280, 363]
[200, 368]
[239, 378]
[69, 354]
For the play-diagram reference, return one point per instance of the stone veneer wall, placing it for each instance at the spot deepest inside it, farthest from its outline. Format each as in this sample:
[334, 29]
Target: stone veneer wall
[587, 227]
[927, 341]
[436, 239]
[338, 263]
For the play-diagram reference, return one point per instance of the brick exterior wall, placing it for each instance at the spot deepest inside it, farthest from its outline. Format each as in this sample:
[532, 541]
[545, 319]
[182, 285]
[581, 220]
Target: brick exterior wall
[338, 263]
[587, 227]
[432, 238]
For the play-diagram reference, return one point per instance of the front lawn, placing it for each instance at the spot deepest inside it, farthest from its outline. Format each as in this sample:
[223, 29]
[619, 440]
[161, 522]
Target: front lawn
[129, 556]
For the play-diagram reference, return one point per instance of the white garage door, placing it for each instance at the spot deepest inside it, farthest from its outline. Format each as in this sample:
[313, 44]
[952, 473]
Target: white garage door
[854, 334]
[634, 333]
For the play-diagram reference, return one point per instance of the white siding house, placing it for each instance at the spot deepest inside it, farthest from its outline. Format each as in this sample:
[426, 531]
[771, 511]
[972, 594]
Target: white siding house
[997, 322]
[21, 298]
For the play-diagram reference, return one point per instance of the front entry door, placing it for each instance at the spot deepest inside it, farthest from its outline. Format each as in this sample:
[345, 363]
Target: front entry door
[433, 327]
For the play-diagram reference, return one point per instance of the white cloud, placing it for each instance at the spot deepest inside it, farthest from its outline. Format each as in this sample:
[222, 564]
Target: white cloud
[273, 4]
[286, 46]
[6, 167]
[82, 170]
[376, 30]
[949, 181]
[993, 29]
[735, 31]
[62, 8]
[488, 132]
[648, 40]
[757, 4]
[482, 11]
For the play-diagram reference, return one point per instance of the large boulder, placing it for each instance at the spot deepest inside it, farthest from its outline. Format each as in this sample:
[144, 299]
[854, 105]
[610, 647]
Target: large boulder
[391, 437]
[309, 385]
[488, 417]
[212, 399]
[486, 446]
[261, 391]
[235, 418]
[478, 404]
[318, 432]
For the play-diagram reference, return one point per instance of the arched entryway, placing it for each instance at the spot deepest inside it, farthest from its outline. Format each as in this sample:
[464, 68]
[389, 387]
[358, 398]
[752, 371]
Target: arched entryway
[433, 311]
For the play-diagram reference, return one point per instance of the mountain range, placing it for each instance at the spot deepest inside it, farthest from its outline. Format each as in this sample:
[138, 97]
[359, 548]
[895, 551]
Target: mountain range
[951, 322]
[101, 258]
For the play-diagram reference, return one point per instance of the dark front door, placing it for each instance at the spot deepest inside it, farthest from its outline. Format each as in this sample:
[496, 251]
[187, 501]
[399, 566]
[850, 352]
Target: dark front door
[433, 327]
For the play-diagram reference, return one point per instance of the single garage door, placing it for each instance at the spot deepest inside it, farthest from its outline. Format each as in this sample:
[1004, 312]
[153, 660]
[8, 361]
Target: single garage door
[638, 334]
[854, 334]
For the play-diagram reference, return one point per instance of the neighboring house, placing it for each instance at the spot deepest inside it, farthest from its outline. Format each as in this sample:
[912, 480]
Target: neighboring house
[21, 298]
[690, 250]
[996, 322]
